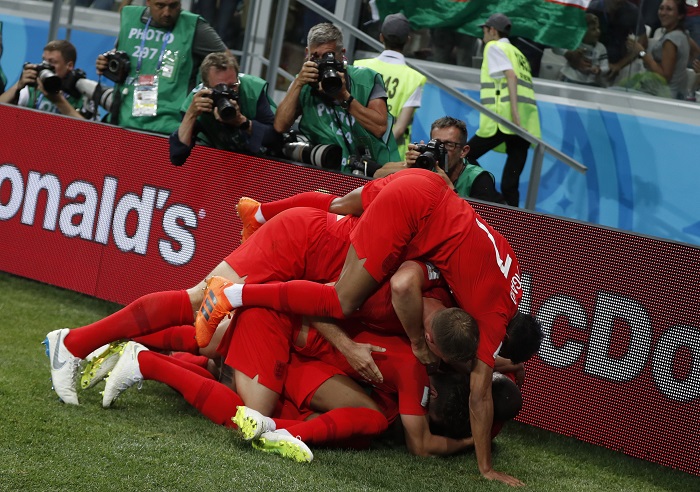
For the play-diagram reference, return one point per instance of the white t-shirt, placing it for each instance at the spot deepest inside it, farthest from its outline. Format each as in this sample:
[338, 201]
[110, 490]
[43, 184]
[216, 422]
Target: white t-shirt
[498, 61]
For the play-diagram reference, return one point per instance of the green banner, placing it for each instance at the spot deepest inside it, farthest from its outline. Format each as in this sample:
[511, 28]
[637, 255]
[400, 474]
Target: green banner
[559, 24]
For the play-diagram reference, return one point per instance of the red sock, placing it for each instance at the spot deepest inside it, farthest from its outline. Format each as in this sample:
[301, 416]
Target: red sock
[145, 315]
[286, 423]
[297, 296]
[313, 199]
[214, 400]
[197, 360]
[175, 338]
[340, 424]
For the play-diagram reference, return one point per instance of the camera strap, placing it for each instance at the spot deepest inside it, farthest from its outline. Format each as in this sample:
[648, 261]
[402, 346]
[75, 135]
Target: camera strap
[143, 45]
[340, 127]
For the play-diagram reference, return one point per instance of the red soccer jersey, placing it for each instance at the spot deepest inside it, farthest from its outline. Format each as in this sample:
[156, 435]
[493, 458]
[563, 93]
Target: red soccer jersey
[434, 223]
[404, 376]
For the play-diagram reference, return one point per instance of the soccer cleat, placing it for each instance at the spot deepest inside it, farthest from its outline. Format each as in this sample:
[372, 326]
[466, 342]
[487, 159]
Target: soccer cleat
[283, 443]
[64, 366]
[100, 362]
[252, 423]
[246, 209]
[125, 374]
[214, 308]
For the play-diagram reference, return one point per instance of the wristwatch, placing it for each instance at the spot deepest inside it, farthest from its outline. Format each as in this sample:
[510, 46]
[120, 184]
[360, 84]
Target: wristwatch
[642, 54]
[346, 104]
[245, 125]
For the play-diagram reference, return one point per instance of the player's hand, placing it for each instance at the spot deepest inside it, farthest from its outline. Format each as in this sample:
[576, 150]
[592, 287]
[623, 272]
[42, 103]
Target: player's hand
[359, 356]
[502, 477]
[423, 353]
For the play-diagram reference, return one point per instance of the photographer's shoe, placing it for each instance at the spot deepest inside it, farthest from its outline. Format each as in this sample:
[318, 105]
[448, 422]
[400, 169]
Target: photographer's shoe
[214, 308]
[252, 423]
[246, 210]
[283, 443]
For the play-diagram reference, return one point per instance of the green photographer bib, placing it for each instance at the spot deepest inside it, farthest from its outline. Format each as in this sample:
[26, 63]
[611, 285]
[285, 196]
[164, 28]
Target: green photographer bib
[330, 124]
[165, 55]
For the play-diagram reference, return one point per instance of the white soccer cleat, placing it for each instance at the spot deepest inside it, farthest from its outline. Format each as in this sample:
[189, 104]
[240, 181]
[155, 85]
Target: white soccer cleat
[64, 366]
[252, 423]
[125, 374]
[100, 362]
[283, 443]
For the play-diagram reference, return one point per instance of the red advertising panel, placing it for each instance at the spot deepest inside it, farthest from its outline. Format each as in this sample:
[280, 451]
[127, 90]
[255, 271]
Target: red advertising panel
[620, 362]
[101, 210]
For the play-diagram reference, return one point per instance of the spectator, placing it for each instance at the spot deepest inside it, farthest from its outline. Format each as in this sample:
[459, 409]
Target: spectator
[669, 55]
[220, 17]
[452, 47]
[692, 23]
[338, 104]
[46, 93]
[404, 85]
[248, 130]
[166, 47]
[506, 89]
[618, 19]
[592, 55]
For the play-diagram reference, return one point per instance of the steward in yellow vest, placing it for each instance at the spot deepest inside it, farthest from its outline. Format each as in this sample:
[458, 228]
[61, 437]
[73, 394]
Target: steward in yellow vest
[404, 85]
[506, 89]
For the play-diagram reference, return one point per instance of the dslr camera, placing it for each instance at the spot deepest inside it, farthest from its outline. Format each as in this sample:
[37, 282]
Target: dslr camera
[118, 66]
[362, 165]
[46, 73]
[324, 156]
[328, 77]
[220, 94]
[431, 154]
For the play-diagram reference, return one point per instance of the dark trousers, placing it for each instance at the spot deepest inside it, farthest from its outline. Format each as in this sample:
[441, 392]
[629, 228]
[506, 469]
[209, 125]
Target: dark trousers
[516, 149]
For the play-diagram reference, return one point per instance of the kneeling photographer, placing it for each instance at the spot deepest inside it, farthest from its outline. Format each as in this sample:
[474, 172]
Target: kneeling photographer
[446, 152]
[228, 111]
[339, 104]
[51, 85]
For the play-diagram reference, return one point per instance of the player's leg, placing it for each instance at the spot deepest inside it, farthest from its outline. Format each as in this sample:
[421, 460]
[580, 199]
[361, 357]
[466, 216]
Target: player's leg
[258, 351]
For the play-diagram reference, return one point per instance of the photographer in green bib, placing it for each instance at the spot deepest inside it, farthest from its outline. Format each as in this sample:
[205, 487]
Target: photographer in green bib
[51, 84]
[446, 153]
[340, 105]
[228, 110]
[158, 53]
[506, 89]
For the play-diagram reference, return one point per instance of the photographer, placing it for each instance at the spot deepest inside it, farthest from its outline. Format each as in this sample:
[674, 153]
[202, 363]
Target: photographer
[229, 111]
[160, 50]
[338, 104]
[50, 85]
[448, 144]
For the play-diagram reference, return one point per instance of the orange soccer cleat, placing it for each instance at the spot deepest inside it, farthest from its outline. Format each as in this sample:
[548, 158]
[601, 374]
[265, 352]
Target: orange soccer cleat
[246, 209]
[214, 308]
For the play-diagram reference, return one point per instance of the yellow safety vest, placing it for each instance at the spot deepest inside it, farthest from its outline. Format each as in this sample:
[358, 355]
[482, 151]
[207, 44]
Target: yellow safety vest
[495, 95]
[401, 81]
